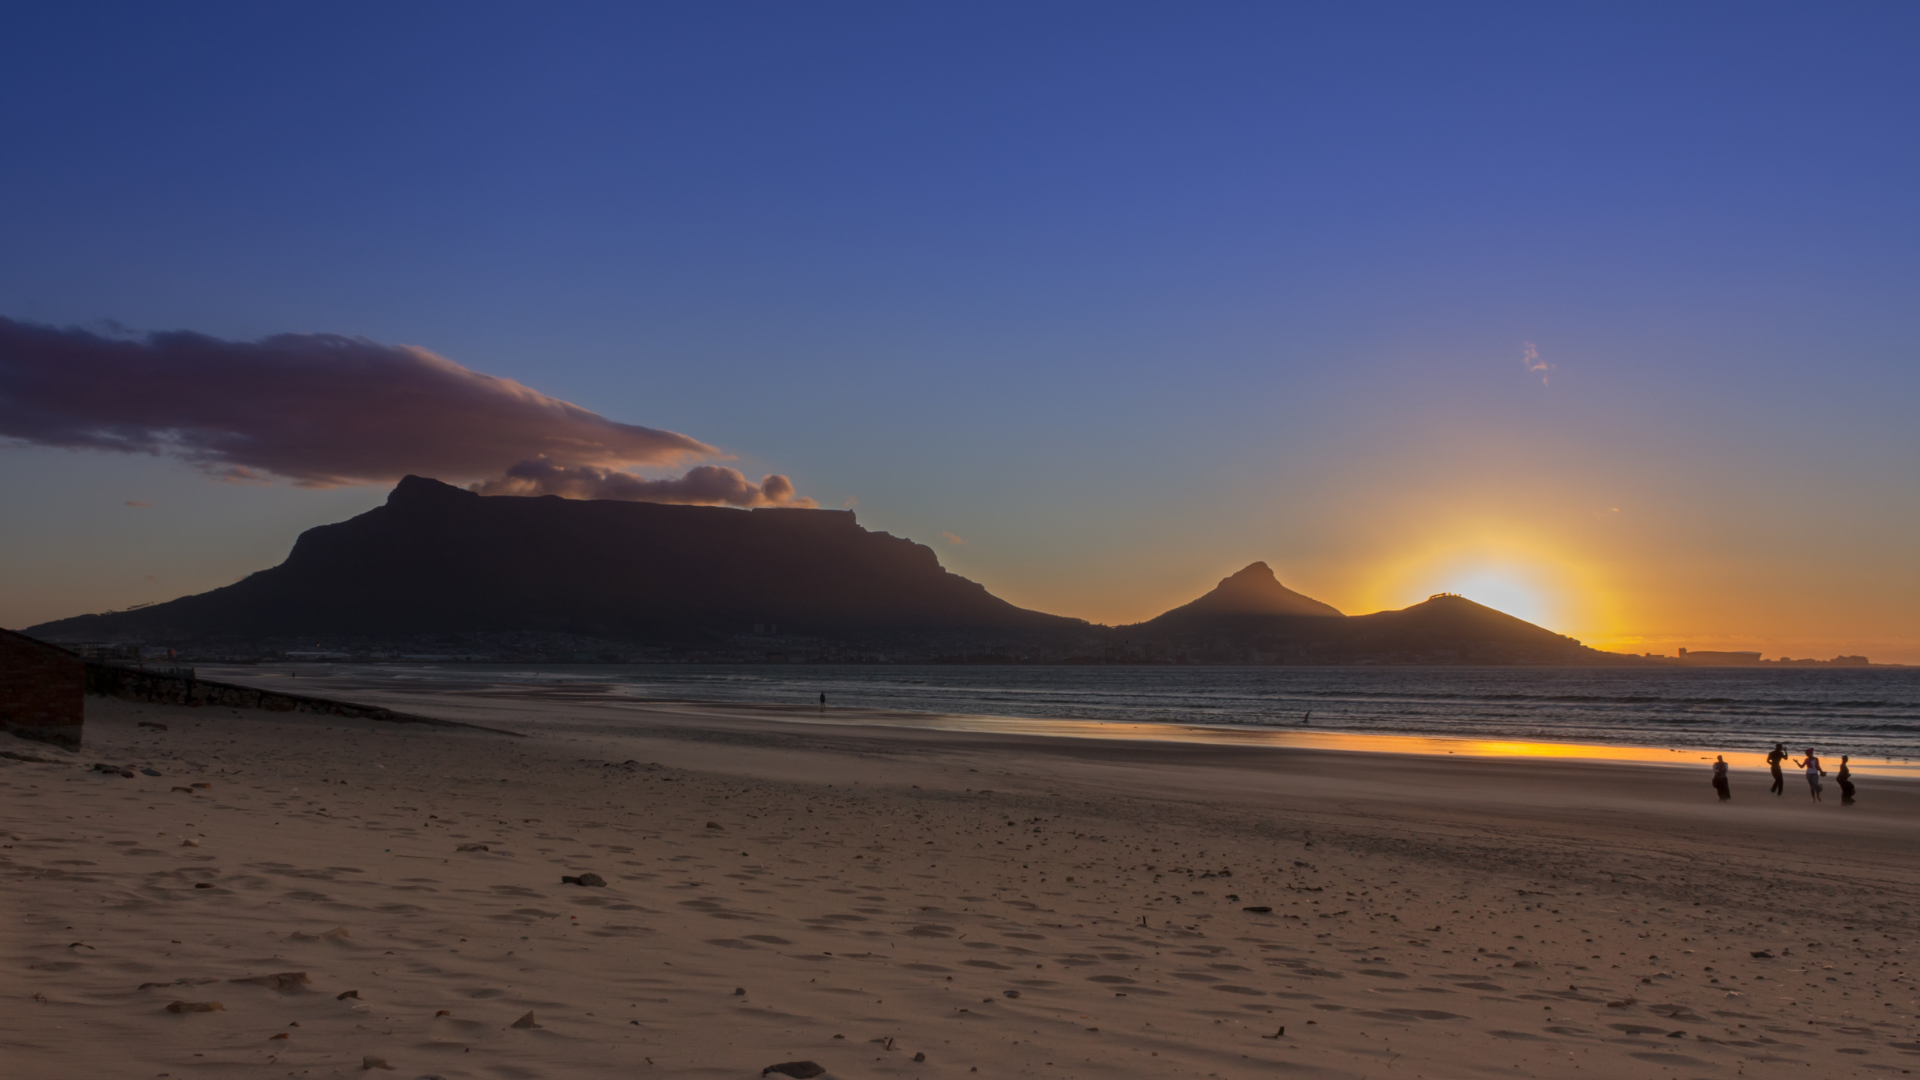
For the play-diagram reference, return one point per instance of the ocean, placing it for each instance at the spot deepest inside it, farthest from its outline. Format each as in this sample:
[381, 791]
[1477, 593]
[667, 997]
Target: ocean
[1869, 713]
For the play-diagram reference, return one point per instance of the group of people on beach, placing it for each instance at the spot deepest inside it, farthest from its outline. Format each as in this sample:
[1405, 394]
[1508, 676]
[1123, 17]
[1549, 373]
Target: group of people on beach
[1779, 754]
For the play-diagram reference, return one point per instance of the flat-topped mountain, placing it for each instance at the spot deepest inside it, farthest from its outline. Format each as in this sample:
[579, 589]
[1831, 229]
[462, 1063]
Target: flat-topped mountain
[437, 559]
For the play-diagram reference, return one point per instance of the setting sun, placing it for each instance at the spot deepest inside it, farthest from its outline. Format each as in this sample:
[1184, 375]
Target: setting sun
[1529, 577]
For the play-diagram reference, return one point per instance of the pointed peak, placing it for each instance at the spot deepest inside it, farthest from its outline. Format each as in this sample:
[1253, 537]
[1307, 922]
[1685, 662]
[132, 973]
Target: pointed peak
[415, 490]
[1254, 590]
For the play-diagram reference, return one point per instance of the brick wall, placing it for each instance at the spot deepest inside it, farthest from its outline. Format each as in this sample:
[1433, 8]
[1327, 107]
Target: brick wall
[41, 690]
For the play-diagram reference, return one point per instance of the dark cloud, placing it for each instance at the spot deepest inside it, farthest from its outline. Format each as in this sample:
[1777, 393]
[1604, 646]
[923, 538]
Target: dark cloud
[705, 484]
[324, 410]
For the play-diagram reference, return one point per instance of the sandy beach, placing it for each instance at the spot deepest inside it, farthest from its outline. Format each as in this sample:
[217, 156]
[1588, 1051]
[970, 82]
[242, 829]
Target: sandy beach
[327, 897]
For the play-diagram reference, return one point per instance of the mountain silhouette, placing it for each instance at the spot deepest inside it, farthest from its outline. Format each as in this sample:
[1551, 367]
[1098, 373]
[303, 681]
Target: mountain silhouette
[1252, 591]
[436, 559]
[1251, 617]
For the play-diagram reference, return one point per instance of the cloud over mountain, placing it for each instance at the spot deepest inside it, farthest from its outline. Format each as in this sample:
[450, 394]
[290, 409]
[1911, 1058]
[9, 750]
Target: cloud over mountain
[703, 484]
[325, 410]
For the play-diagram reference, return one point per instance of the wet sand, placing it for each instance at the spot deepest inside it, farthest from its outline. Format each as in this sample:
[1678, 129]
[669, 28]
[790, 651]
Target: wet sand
[857, 894]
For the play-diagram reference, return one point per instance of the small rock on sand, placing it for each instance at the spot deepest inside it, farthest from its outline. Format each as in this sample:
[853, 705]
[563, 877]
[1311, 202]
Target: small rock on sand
[800, 1069]
[371, 1062]
[155, 725]
[285, 980]
[195, 1006]
[473, 847]
[1261, 909]
[345, 994]
[589, 879]
[717, 825]
[526, 1021]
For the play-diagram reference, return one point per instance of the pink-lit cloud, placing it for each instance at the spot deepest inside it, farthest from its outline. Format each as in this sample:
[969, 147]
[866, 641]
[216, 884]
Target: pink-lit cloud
[324, 410]
[1530, 356]
[709, 485]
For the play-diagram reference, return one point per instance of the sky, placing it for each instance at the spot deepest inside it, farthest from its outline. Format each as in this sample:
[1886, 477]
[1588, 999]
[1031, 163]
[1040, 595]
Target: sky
[1604, 315]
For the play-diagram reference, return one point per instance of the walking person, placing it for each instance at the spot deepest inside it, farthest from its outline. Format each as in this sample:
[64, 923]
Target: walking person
[1845, 776]
[1720, 779]
[1773, 762]
[1814, 773]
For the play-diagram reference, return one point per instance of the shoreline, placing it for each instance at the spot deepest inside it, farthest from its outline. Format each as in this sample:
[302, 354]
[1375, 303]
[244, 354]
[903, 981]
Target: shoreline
[603, 695]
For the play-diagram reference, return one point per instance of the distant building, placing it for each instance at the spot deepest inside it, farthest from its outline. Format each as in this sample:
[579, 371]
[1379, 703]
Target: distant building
[42, 690]
[1720, 659]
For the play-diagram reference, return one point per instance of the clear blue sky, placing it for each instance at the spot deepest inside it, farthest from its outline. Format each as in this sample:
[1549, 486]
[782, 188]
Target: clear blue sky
[1123, 296]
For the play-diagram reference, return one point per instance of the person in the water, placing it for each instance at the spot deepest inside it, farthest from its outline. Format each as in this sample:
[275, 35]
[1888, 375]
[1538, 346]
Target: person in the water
[1845, 777]
[1773, 762]
[1720, 779]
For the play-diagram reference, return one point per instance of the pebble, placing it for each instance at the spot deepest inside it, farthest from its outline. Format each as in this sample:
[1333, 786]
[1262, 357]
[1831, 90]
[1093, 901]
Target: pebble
[195, 1006]
[371, 1062]
[800, 1069]
[526, 1021]
[589, 879]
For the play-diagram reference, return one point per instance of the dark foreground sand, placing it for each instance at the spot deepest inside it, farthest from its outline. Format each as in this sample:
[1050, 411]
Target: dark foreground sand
[912, 903]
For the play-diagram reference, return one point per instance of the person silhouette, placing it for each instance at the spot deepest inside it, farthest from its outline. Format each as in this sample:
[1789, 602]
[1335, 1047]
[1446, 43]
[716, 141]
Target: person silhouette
[1720, 779]
[1814, 773]
[1774, 759]
[823, 699]
[1845, 776]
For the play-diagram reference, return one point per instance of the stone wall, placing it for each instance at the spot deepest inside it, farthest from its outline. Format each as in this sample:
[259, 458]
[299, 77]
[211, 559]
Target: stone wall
[41, 690]
[167, 688]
